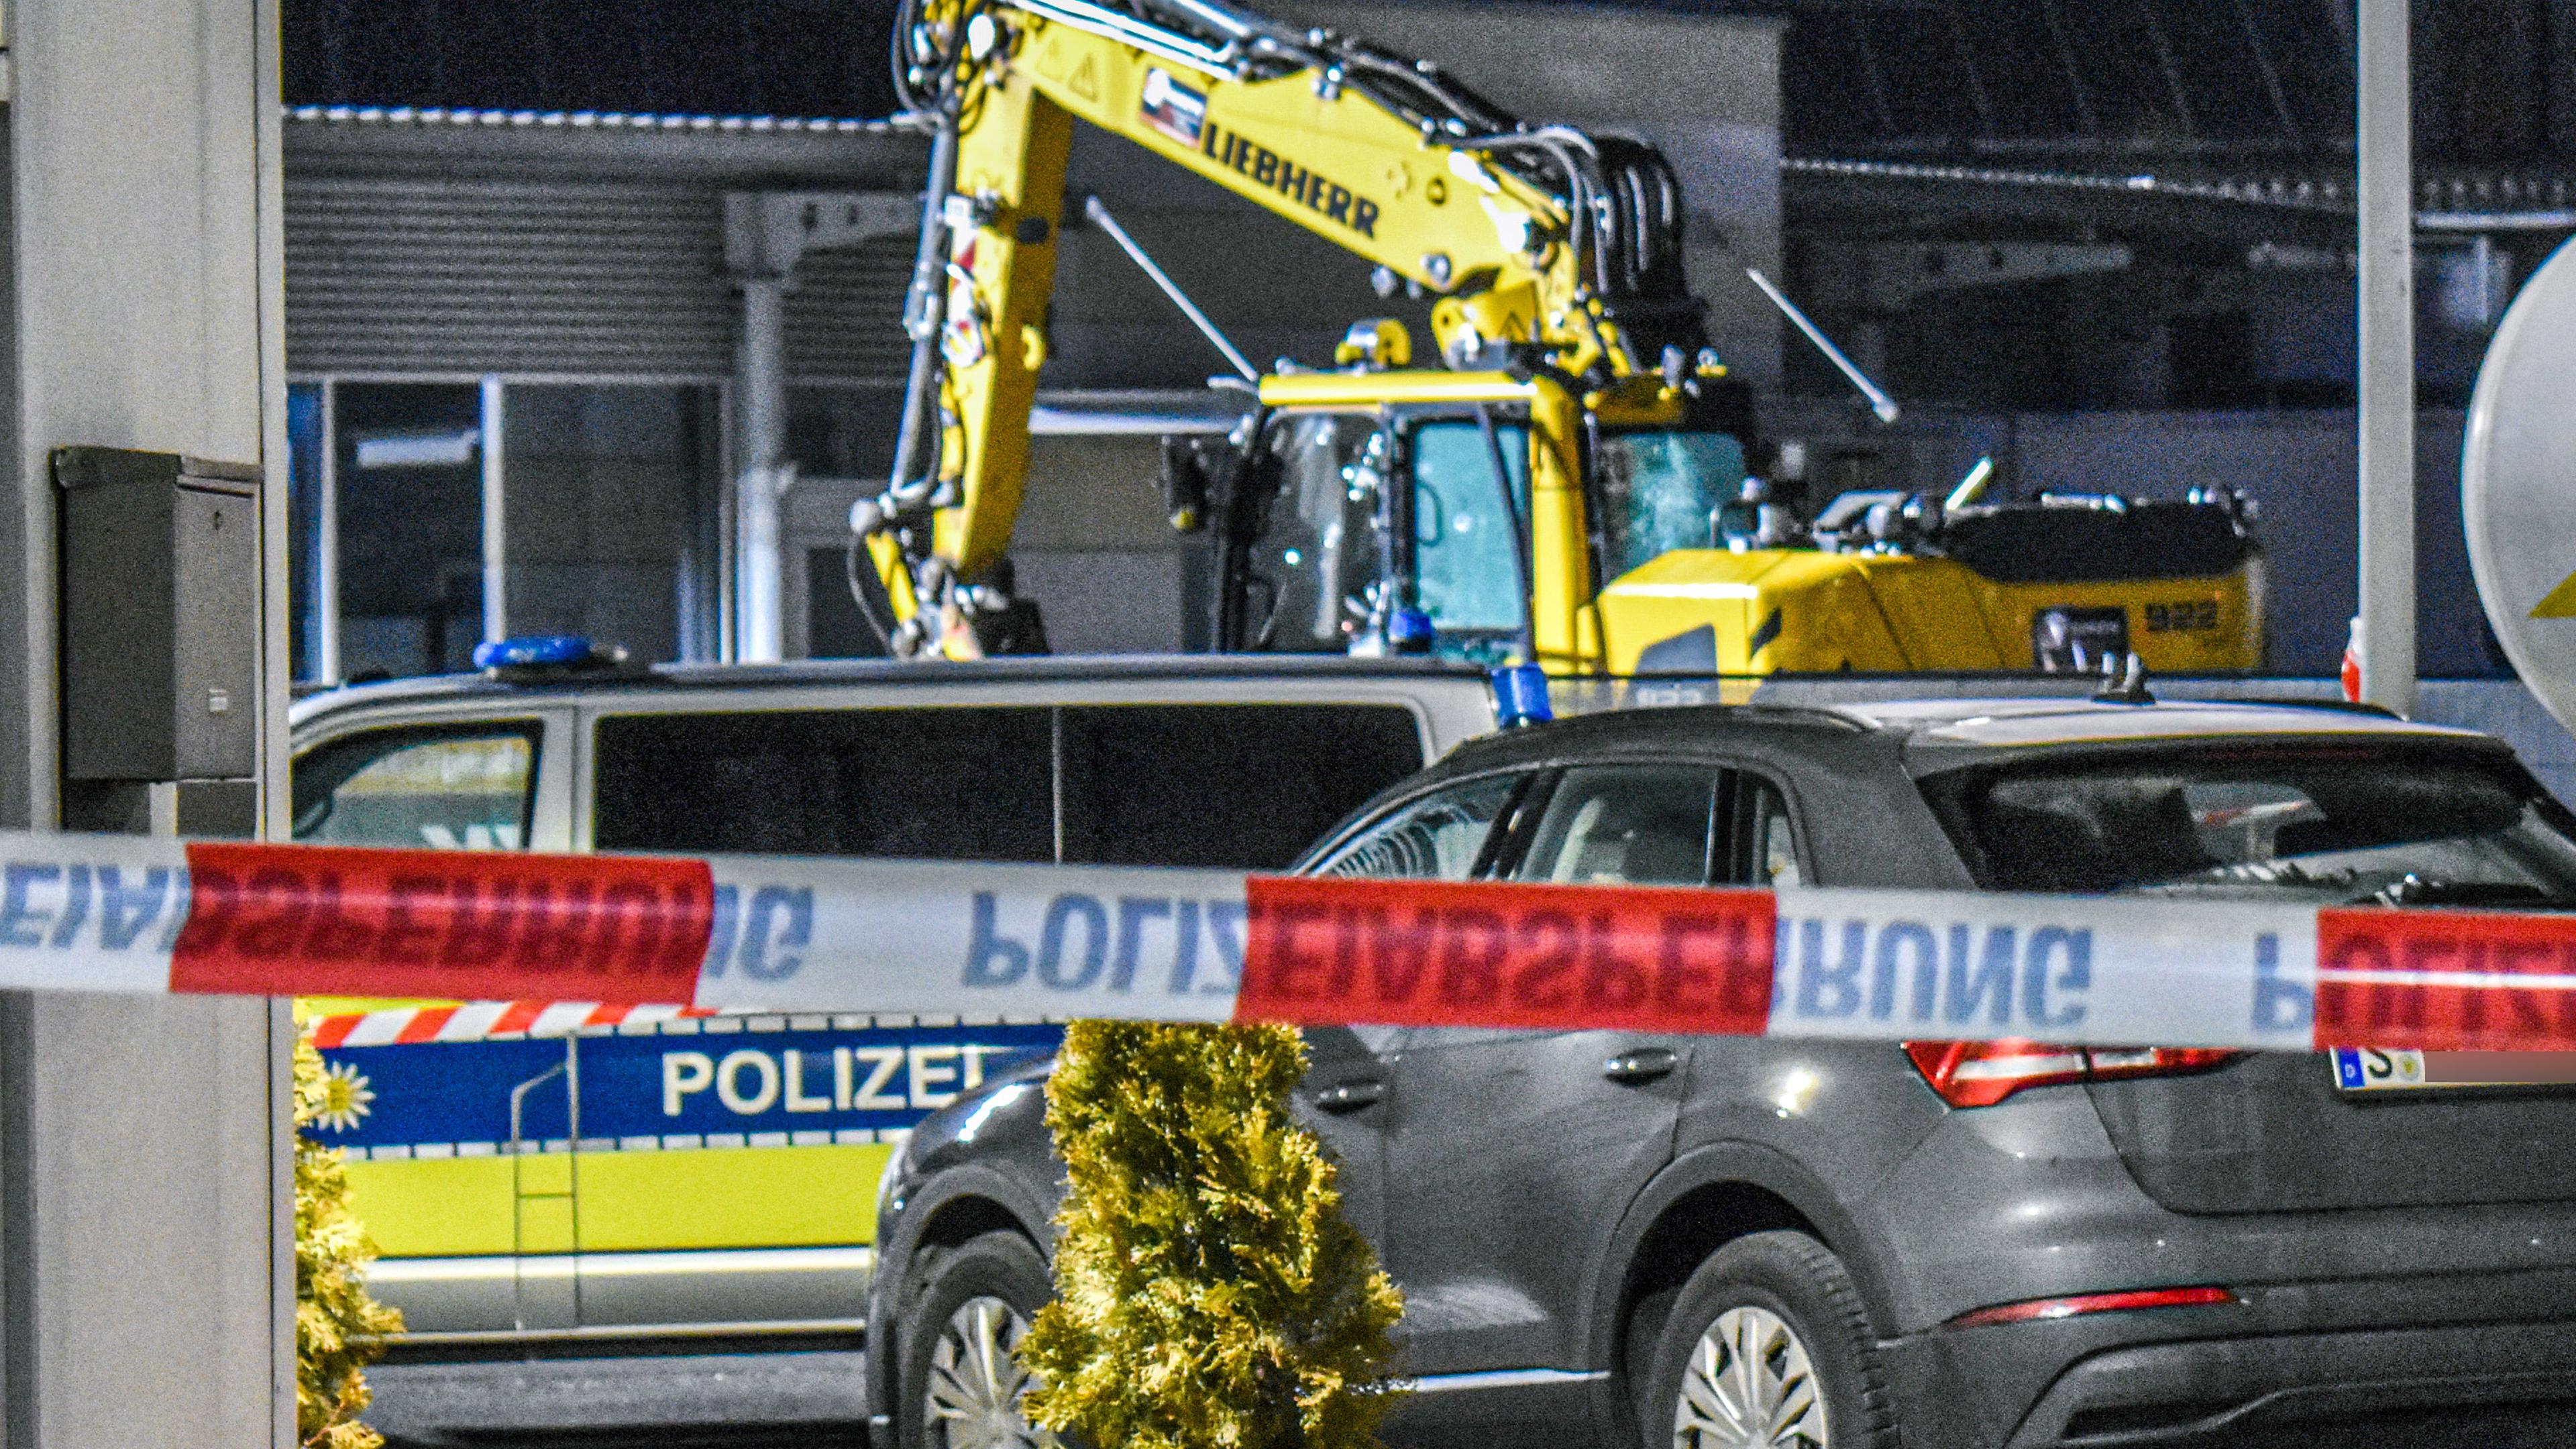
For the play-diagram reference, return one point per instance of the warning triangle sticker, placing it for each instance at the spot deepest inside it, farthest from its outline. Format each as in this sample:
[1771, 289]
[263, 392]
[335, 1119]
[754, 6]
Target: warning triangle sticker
[2561, 602]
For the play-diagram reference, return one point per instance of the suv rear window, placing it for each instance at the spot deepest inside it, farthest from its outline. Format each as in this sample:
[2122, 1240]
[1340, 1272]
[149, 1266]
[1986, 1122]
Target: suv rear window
[1227, 786]
[2328, 825]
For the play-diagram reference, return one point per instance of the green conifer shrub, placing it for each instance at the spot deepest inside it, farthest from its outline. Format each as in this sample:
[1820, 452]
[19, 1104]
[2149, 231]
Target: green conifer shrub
[338, 1328]
[1209, 1293]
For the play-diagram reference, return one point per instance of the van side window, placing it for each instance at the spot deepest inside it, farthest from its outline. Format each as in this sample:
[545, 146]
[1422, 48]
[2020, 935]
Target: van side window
[932, 784]
[1237, 786]
[1435, 837]
[440, 787]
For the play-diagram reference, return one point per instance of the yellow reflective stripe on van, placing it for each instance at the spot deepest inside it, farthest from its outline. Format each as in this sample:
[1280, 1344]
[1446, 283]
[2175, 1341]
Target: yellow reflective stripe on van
[744, 1197]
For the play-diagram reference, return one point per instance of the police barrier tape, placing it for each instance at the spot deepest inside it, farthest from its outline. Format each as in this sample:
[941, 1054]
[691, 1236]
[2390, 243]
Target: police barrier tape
[1002, 942]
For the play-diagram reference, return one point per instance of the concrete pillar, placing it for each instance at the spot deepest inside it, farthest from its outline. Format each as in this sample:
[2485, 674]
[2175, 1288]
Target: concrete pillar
[146, 1282]
[766, 232]
[2387, 380]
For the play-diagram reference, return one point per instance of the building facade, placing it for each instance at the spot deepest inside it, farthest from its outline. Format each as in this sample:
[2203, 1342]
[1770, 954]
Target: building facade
[514, 340]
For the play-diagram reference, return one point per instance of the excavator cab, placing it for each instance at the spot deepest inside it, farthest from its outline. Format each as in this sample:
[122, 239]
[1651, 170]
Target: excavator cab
[1405, 528]
[1382, 511]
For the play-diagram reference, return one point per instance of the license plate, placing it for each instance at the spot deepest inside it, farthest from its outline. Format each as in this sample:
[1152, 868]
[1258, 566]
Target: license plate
[2371, 1069]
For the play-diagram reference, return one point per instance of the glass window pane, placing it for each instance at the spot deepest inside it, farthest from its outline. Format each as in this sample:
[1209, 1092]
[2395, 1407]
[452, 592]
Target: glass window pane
[929, 784]
[304, 445]
[411, 527]
[1434, 838]
[1657, 490]
[440, 788]
[1239, 786]
[1318, 556]
[2323, 826]
[834, 627]
[1637, 824]
[610, 495]
[1463, 539]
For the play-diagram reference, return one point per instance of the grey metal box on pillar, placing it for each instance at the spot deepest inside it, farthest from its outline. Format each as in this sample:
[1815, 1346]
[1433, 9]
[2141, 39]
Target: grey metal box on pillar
[160, 639]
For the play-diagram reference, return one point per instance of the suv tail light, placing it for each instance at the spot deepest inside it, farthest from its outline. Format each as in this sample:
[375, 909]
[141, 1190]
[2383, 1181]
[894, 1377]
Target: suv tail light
[1982, 1073]
[2035, 1309]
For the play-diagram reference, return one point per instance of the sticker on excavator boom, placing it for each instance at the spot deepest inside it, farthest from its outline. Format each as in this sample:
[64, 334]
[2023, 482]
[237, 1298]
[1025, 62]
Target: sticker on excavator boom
[1172, 109]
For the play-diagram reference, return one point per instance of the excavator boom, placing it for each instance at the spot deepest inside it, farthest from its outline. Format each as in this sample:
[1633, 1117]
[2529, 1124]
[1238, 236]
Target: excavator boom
[1546, 247]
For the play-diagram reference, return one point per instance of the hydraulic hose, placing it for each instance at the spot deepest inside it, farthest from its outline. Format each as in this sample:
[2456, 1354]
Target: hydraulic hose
[925, 305]
[864, 586]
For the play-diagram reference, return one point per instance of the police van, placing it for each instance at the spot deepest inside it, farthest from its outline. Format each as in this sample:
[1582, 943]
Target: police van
[558, 1185]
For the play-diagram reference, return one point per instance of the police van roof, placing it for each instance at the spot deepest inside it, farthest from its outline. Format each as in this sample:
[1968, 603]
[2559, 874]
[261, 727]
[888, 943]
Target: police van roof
[825, 673]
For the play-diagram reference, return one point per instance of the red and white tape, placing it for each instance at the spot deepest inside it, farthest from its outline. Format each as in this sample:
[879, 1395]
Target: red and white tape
[487, 1021]
[1011, 941]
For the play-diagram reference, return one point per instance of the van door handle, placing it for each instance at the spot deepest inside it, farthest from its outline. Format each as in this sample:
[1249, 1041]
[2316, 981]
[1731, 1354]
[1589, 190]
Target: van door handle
[1644, 1064]
[1350, 1096]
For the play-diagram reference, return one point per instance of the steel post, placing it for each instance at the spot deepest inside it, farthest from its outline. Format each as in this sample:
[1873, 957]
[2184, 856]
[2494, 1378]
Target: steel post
[496, 581]
[759, 619]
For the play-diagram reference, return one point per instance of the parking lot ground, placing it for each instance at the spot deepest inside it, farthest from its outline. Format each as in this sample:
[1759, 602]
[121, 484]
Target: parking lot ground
[753, 1437]
[740, 1401]
[2498, 1426]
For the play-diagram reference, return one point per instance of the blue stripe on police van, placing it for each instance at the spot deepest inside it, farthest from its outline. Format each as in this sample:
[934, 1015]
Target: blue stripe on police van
[770, 1080]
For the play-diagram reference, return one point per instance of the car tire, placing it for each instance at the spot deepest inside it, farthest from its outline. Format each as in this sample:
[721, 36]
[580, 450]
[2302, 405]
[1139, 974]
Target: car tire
[1784, 1301]
[969, 1306]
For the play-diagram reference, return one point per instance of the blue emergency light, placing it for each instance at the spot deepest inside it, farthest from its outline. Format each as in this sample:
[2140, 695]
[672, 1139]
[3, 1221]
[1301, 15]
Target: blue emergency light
[1410, 631]
[536, 651]
[1520, 696]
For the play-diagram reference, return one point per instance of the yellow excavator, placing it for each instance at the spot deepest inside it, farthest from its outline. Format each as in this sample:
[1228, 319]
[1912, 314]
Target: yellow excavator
[1568, 486]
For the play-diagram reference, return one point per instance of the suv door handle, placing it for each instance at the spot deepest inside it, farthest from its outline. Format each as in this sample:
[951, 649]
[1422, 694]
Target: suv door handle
[1644, 1064]
[1350, 1096]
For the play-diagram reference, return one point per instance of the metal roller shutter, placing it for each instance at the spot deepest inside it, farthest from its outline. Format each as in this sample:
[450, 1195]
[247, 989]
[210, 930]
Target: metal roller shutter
[845, 313]
[420, 275]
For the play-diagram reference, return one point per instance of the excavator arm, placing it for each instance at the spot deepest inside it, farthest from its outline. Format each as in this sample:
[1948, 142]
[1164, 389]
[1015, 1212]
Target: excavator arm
[1640, 541]
[1547, 249]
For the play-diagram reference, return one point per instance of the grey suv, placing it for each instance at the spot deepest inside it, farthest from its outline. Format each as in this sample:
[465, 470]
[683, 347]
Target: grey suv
[1621, 1238]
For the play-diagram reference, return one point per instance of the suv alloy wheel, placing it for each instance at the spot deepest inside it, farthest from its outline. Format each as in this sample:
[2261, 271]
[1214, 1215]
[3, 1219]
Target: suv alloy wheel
[1767, 1346]
[961, 1380]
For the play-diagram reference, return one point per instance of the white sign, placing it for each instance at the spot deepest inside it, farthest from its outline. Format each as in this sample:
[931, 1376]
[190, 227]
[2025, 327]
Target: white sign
[2518, 485]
